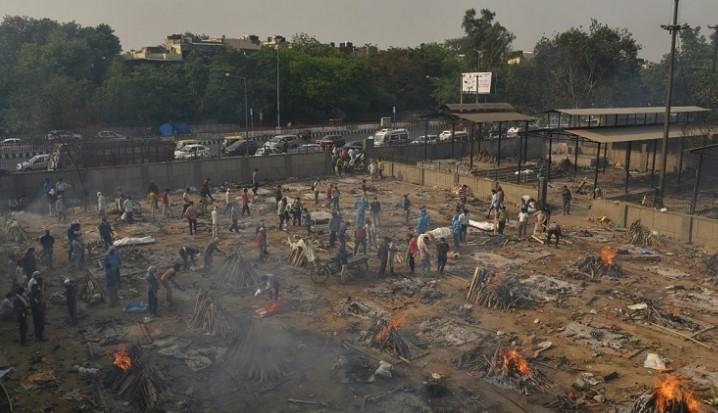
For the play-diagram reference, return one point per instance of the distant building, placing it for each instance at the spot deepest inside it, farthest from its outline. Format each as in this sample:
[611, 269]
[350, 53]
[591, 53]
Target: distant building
[153, 54]
[274, 41]
[177, 46]
[519, 57]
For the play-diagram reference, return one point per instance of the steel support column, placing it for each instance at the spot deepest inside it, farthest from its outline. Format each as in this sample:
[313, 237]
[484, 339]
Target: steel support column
[550, 158]
[680, 159]
[628, 166]
[595, 176]
[653, 163]
[575, 159]
[471, 151]
[696, 186]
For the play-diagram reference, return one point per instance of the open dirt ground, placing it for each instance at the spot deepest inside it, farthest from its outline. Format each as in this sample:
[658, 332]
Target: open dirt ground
[577, 333]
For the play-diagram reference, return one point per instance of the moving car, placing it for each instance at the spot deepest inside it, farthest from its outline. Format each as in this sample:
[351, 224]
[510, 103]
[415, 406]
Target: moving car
[388, 137]
[62, 135]
[36, 163]
[458, 135]
[309, 147]
[228, 141]
[283, 143]
[357, 146]
[241, 147]
[330, 140]
[428, 139]
[108, 135]
[184, 142]
[11, 141]
[192, 152]
[266, 150]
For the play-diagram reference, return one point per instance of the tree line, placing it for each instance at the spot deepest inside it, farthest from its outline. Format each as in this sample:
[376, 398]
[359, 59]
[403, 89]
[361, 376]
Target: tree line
[63, 75]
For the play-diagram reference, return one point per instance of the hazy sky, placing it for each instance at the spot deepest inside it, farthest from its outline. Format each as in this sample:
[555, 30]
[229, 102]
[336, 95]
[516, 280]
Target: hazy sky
[384, 22]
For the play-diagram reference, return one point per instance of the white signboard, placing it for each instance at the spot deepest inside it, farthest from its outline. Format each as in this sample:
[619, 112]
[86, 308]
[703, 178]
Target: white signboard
[470, 81]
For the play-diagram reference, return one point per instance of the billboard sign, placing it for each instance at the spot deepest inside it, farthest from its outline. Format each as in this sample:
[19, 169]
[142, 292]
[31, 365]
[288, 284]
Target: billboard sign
[470, 82]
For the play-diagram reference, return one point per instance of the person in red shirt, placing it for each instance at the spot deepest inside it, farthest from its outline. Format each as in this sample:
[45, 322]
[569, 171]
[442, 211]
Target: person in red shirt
[412, 251]
[168, 279]
[245, 202]
[359, 239]
[166, 203]
[191, 214]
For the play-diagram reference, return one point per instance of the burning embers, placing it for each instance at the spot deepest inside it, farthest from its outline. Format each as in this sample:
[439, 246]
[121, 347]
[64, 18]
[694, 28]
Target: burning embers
[509, 368]
[132, 379]
[122, 359]
[499, 291]
[386, 336]
[670, 394]
[594, 267]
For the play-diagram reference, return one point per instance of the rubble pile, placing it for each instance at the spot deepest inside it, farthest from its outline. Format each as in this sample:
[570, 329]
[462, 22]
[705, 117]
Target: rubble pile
[238, 272]
[426, 291]
[711, 263]
[498, 291]
[132, 379]
[649, 312]
[209, 317]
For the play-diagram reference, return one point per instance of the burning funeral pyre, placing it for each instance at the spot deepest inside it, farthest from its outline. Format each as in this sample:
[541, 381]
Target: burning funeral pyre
[132, 379]
[256, 357]
[640, 235]
[508, 368]
[670, 394]
[594, 267]
[238, 272]
[385, 335]
[498, 291]
[209, 317]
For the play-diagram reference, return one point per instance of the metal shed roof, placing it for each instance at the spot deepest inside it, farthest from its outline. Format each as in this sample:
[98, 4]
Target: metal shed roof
[489, 117]
[630, 111]
[478, 107]
[640, 133]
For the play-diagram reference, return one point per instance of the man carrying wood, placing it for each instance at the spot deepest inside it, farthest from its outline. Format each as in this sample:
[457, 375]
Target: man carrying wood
[187, 254]
[113, 263]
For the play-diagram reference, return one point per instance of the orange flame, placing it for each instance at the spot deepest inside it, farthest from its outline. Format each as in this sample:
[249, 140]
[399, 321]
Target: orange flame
[608, 256]
[672, 390]
[394, 324]
[676, 311]
[122, 360]
[512, 358]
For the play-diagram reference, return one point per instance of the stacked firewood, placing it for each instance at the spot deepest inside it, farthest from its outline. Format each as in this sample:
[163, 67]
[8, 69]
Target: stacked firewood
[647, 403]
[209, 317]
[255, 357]
[238, 272]
[90, 292]
[507, 366]
[386, 337]
[640, 235]
[673, 318]
[139, 383]
[711, 264]
[498, 291]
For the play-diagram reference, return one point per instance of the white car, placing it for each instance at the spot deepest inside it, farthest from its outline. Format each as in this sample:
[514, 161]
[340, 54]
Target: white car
[109, 135]
[458, 135]
[192, 152]
[309, 147]
[283, 143]
[266, 150]
[423, 139]
[11, 141]
[36, 163]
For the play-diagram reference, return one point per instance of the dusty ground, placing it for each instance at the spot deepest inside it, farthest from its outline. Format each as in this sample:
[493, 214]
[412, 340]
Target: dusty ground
[326, 361]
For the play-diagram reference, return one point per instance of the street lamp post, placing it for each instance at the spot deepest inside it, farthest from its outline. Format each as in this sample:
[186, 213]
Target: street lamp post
[279, 118]
[673, 29]
[246, 104]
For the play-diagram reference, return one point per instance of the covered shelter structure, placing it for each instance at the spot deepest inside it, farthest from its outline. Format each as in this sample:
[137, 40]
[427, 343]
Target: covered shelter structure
[621, 126]
[479, 114]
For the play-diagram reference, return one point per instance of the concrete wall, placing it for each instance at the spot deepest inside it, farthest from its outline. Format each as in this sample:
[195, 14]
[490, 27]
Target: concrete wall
[176, 174]
[680, 227]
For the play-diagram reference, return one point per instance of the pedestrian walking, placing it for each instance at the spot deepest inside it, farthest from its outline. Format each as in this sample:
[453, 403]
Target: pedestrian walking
[105, 230]
[412, 251]
[191, 214]
[334, 223]
[71, 300]
[245, 202]
[47, 241]
[566, 197]
[375, 208]
[423, 242]
[113, 263]
[442, 253]
[212, 248]
[187, 254]
[523, 221]
[168, 280]
[78, 252]
[215, 222]
[255, 180]
[227, 201]
[383, 255]
[186, 200]
[494, 204]
[261, 241]
[101, 206]
[316, 189]
[37, 308]
[406, 206]
[308, 221]
[554, 230]
[455, 231]
[464, 221]
[297, 208]
[423, 222]
[234, 216]
[60, 209]
[166, 203]
[20, 306]
[129, 209]
[359, 240]
[502, 218]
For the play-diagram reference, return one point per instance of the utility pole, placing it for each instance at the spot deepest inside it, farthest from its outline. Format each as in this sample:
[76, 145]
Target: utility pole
[673, 29]
[715, 46]
[279, 119]
[478, 61]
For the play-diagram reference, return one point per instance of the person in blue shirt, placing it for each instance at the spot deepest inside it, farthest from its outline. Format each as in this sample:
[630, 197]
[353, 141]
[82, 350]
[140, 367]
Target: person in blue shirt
[113, 263]
[334, 224]
[360, 205]
[456, 230]
[423, 221]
